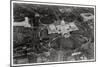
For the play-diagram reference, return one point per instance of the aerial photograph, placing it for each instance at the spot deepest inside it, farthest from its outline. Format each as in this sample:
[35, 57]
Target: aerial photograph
[47, 33]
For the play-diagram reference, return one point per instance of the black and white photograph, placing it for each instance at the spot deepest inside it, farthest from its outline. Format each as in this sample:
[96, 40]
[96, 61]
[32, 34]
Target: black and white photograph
[50, 33]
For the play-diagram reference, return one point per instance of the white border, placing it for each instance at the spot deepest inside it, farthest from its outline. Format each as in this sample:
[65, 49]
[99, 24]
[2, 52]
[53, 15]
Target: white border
[57, 4]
